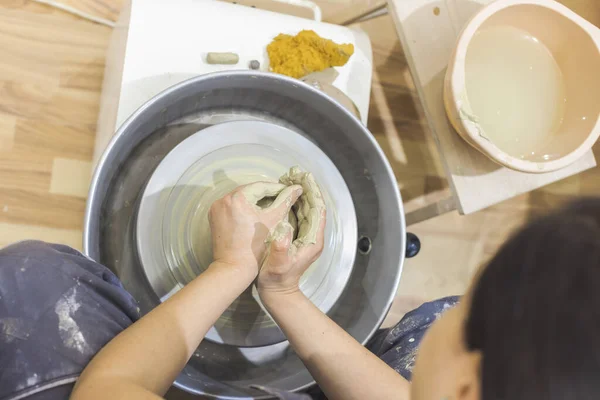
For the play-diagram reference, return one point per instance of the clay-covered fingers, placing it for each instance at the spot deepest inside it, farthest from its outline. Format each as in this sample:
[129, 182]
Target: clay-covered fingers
[312, 251]
[309, 224]
[254, 192]
[284, 197]
[279, 250]
[321, 231]
[314, 196]
[278, 272]
[283, 203]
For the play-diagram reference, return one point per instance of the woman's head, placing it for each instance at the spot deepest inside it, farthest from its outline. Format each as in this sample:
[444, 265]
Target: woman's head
[529, 327]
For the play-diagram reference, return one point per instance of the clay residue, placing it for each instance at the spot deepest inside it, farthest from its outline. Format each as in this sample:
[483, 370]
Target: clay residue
[282, 230]
[12, 329]
[69, 331]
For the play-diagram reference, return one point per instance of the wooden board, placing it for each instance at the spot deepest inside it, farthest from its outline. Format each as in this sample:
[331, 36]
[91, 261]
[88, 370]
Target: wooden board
[428, 30]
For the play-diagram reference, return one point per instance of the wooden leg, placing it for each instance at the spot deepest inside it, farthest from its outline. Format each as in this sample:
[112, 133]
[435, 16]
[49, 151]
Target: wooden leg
[371, 13]
[432, 210]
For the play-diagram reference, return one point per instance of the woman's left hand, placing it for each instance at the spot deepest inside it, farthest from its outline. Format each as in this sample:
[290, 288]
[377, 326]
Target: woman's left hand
[240, 227]
[143, 361]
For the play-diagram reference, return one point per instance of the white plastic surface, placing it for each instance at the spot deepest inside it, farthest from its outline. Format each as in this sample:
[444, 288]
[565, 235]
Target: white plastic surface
[167, 42]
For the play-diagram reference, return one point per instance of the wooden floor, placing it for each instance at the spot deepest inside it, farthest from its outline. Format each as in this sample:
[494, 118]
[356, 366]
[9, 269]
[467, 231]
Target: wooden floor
[50, 80]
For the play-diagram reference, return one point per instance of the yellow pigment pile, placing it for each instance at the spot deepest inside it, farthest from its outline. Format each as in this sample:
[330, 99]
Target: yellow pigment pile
[305, 53]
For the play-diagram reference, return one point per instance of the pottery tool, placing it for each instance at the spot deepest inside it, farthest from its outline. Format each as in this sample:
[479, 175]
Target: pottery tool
[222, 58]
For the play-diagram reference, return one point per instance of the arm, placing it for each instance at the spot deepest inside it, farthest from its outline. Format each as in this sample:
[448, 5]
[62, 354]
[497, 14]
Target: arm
[343, 368]
[143, 360]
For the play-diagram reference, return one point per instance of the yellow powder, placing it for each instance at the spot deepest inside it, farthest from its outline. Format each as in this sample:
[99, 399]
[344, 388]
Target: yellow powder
[305, 53]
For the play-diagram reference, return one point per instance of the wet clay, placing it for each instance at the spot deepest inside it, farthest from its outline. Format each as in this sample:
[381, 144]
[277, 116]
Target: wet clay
[309, 207]
[256, 193]
[272, 202]
[307, 213]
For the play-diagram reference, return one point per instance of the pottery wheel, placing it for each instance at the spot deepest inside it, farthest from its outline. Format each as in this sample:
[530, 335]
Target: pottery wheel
[173, 234]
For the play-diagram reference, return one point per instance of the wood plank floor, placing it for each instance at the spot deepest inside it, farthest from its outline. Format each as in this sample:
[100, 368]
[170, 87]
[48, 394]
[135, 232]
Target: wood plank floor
[50, 80]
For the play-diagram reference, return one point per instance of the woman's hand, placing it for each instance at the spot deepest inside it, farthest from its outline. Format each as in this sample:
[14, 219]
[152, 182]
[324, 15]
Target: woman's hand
[143, 361]
[240, 227]
[287, 261]
[341, 366]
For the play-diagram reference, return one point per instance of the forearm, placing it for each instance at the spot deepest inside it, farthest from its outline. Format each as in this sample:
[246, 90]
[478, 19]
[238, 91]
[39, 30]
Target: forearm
[150, 353]
[341, 366]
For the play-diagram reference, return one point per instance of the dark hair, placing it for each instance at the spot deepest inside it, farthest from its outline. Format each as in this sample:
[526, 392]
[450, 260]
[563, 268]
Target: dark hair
[535, 310]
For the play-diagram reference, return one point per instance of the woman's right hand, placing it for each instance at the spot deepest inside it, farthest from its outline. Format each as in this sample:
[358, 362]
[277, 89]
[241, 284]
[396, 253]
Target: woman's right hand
[286, 262]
